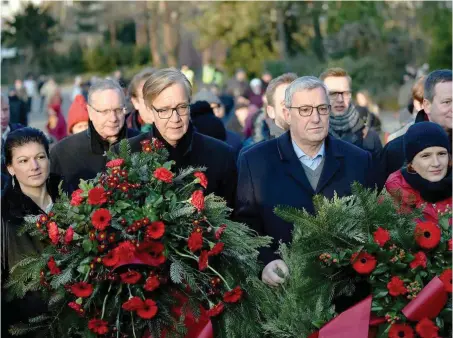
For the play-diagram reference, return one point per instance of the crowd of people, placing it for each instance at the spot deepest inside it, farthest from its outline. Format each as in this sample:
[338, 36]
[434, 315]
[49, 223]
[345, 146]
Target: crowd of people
[273, 141]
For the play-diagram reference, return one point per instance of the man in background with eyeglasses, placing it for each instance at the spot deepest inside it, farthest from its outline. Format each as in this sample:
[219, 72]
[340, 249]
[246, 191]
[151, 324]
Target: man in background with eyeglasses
[81, 156]
[291, 169]
[345, 121]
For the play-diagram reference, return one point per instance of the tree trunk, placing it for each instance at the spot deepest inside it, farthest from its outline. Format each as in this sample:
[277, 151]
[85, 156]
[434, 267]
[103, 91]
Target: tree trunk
[282, 44]
[318, 46]
[112, 31]
[153, 35]
[170, 30]
[141, 34]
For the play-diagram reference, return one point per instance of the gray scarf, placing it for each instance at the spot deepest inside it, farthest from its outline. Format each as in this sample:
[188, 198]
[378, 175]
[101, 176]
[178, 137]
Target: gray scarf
[347, 123]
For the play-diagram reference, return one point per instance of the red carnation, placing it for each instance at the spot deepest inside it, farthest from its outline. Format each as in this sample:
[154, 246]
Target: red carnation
[126, 250]
[217, 249]
[133, 304]
[152, 283]
[203, 260]
[363, 262]
[381, 236]
[97, 196]
[77, 308]
[69, 235]
[53, 267]
[118, 162]
[396, 287]
[427, 234]
[155, 230]
[101, 219]
[401, 331]
[233, 296]
[82, 289]
[151, 253]
[197, 200]
[163, 174]
[426, 329]
[203, 179]
[220, 231]
[449, 245]
[111, 259]
[445, 277]
[215, 310]
[76, 199]
[419, 260]
[52, 229]
[149, 309]
[130, 277]
[195, 242]
[98, 326]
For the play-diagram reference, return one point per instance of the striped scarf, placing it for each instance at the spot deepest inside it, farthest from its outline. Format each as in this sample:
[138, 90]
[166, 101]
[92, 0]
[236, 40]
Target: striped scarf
[347, 123]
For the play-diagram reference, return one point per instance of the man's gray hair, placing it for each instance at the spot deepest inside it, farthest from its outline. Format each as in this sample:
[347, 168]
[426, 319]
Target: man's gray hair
[303, 83]
[433, 78]
[106, 84]
[5, 98]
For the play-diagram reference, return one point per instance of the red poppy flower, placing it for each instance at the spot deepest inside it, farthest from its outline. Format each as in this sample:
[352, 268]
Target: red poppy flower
[203, 260]
[152, 283]
[217, 249]
[82, 289]
[133, 304]
[381, 236]
[449, 245]
[233, 296]
[101, 219]
[76, 199]
[130, 277]
[363, 262]
[426, 329]
[203, 179]
[52, 229]
[445, 277]
[97, 196]
[149, 309]
[155, 230]
[419, 260]
[195, 242]
[197, 200]
[163, 174]
[220, 231]
[126, 251]
[396, 287]
[69, 235]
[111, 259]
[118, 162]
[401, 331]
[427, 235]
[215, 310]
[53, 267]
[98, 326]
[151, 253]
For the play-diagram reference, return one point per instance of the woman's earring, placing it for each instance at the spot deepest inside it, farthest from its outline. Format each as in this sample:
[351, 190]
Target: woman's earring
[13, 181]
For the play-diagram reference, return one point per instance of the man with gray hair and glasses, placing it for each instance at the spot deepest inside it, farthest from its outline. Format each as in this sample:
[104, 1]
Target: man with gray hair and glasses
[81, 156]
[291, 169]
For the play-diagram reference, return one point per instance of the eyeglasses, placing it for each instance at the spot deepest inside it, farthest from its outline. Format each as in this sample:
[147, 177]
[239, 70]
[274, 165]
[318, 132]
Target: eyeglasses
[345, 95]
[305, 111]
[116, 111]
[167, 113]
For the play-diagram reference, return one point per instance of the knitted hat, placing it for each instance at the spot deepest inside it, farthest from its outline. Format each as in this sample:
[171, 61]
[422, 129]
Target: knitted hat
[78, 112]
[206, 95]
[206, 122]
[423, 135]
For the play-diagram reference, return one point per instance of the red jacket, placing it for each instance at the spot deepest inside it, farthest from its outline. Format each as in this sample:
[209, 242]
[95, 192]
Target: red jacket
[410, 198]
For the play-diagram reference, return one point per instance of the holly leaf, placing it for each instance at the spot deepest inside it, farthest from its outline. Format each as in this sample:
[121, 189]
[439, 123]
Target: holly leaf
[380, 269]
[121, 205]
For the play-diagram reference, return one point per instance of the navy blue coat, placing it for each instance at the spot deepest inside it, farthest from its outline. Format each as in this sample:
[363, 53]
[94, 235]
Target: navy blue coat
[270, 174]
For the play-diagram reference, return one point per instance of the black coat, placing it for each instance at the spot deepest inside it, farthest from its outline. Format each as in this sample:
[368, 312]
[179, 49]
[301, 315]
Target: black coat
[270, 174]
[5, 177]
[15, 206]
[197, 150]
[81, 156]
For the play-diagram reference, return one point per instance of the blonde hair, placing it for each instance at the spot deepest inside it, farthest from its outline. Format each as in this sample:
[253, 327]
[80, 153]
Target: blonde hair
[418, 89]
[335, 72]
[161, 80]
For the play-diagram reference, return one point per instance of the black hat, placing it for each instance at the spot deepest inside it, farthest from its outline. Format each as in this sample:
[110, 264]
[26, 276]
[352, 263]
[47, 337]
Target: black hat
[423, 135]
[205, 121]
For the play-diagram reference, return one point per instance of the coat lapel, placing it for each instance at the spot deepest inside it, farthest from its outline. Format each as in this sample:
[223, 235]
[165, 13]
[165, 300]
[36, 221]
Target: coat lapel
[291, 163]
[331, 163]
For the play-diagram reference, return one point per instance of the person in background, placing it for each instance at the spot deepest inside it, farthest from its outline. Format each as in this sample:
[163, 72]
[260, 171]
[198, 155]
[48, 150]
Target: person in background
[47, 91]
[56, 125]
[189, 74]
[266, 78]
[369, 112]
[227, 103]
[106, 127]
[205, 122]
[32, 192]
[18, 108]
[238, 85]
[238, 120]
[78, 116]
[118, 77]
[77, 88]
[208, 73]
[345, 122]
[31, 90]
[425, 182]
[255, 95]
[136, 119]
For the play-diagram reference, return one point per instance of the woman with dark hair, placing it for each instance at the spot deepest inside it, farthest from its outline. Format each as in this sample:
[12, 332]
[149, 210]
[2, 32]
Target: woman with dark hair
[426, 180]
[32, 191]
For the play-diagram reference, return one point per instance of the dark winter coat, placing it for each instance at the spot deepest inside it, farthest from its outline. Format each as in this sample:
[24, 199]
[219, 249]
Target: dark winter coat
[81, 156]
[197, 150]
[5, 177]
[18, 110]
